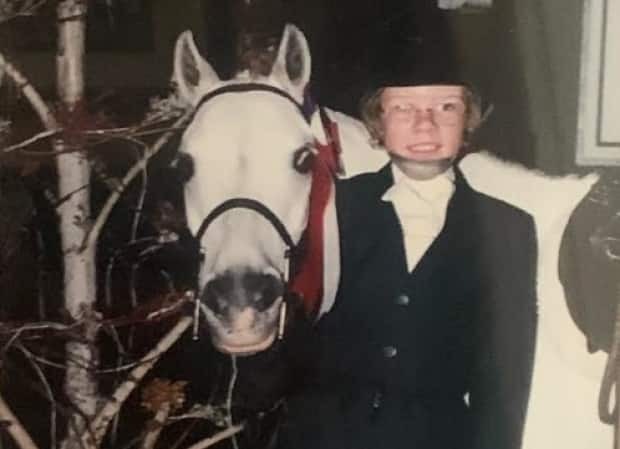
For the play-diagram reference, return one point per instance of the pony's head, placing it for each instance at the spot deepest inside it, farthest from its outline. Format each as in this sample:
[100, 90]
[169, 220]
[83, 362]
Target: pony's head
[250, 141]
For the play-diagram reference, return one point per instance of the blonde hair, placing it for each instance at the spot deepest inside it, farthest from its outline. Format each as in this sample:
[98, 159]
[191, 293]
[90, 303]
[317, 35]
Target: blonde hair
[371, 110]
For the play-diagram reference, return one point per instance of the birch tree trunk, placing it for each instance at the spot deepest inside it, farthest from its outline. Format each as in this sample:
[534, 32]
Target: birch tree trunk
[74, 217]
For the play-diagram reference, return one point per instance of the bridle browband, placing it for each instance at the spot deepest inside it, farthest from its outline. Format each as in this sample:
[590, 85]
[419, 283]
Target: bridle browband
[305, 109]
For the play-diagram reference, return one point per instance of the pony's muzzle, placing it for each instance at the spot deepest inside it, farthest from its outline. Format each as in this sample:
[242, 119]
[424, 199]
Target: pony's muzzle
[242, 310]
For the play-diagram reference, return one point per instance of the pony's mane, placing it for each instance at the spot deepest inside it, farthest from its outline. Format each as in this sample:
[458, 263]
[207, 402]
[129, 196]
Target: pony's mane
[256, 53]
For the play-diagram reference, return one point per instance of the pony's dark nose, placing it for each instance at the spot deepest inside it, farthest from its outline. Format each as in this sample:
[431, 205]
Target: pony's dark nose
[240, 290]
[217, 294]
[262, 289]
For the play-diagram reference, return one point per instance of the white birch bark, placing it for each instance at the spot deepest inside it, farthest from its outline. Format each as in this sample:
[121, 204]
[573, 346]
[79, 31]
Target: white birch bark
[74, 217]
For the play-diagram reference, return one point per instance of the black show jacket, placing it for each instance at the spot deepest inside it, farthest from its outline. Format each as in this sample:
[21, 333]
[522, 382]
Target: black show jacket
[439, 358]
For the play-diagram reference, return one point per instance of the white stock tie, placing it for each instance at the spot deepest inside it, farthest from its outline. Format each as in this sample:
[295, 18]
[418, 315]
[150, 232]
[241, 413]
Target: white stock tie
[421, 209]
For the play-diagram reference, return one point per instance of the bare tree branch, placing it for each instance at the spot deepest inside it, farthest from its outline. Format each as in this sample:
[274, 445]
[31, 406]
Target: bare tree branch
[113, 405]
[10, 9]
[48, 391]
[221, 436]
[156, 426]
[37, 137]
[14, 427]
[16, 329]
[93, 235]
[21, 82]
[140, 203]
[161, 397]
[155, 310]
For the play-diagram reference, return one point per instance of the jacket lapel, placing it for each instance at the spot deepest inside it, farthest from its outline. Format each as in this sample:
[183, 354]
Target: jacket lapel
[370, 226]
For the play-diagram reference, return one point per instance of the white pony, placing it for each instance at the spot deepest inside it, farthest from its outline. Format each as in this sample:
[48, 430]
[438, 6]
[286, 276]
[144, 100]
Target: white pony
[563, 409]
[247, 200]
[243, 144]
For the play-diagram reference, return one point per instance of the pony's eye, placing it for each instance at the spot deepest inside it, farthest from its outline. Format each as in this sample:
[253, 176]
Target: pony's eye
[303, 159]
[183, 166]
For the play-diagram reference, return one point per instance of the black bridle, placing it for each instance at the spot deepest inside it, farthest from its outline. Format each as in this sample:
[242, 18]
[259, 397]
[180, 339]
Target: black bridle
[267, 214]
[247, 203]
[306, 110]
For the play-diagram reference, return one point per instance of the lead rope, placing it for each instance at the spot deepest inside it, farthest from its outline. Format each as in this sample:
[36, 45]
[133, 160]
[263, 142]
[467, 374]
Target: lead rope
[234, 370]
[196, 319]
[611, 379]
[229, 399]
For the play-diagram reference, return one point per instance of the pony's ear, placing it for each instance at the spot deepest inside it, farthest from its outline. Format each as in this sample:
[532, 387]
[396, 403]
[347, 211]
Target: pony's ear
[192, 75]
[293, 64]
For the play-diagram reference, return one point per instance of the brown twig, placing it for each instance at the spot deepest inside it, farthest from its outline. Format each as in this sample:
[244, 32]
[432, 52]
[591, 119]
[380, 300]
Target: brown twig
[37, 137]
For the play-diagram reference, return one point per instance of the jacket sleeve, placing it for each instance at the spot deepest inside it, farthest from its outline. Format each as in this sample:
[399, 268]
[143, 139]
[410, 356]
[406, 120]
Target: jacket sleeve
[502, 374]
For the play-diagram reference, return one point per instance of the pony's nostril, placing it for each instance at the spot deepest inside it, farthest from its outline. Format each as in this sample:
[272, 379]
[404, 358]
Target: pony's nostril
[239, 289]
[217, 291]
[264, 289]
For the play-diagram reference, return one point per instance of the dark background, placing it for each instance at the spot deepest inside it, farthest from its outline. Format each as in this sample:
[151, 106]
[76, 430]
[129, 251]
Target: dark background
[130, 45]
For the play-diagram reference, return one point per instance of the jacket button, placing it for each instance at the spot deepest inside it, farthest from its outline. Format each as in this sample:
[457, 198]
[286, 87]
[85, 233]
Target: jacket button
[389, 352]
[376, 400]
[403, 300]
